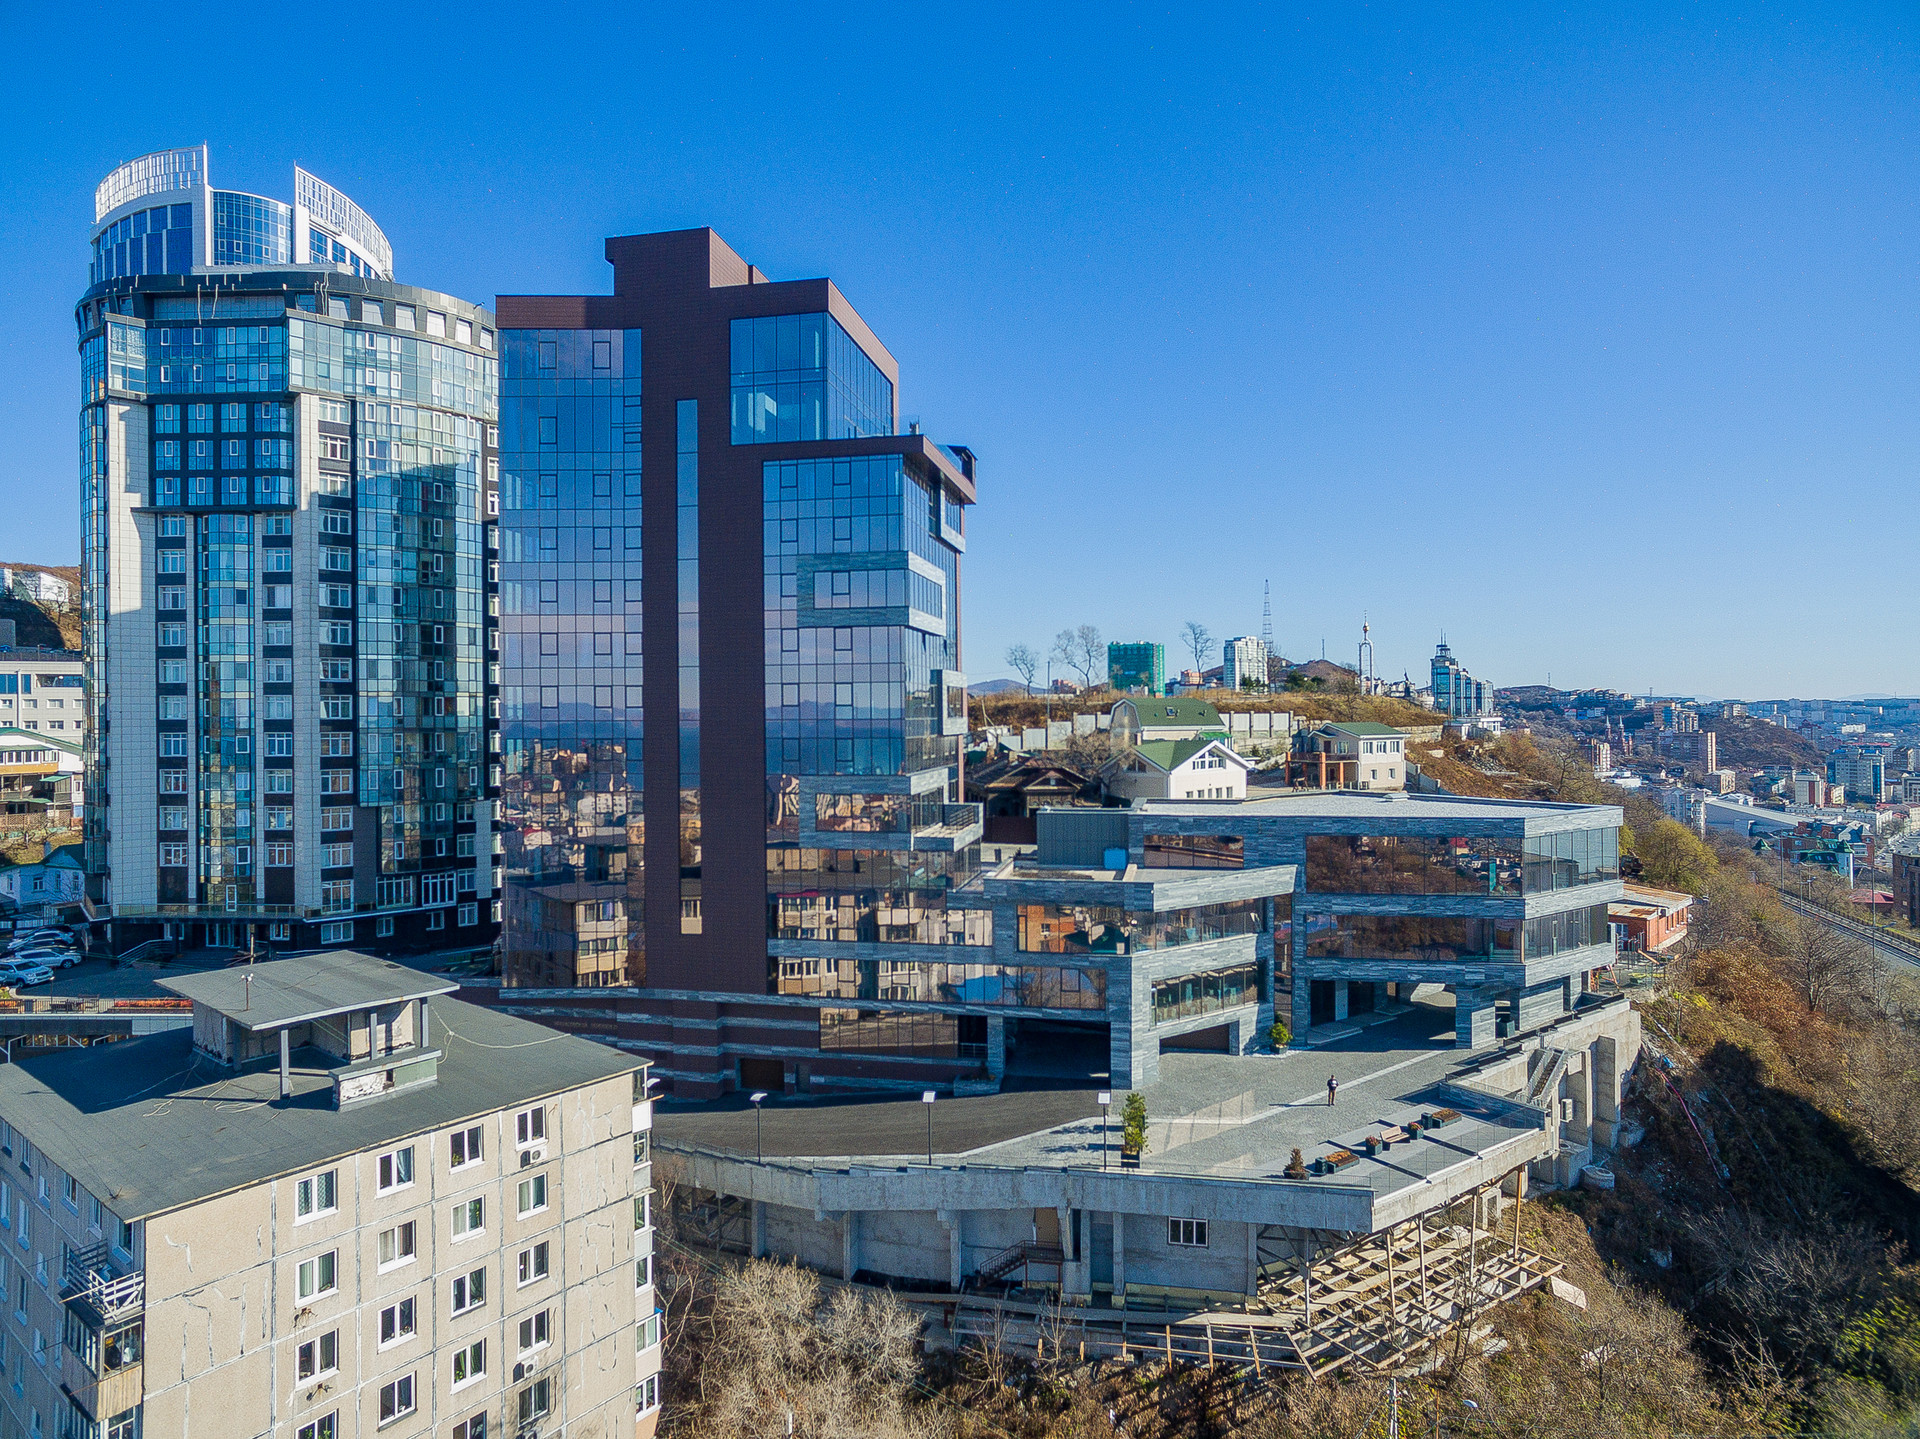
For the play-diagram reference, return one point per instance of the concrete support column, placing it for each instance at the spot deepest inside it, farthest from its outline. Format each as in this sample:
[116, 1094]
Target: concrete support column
[1473, 1017]
[1302, 1011]
[1604, 1059]
[759, 1229]
[849, 1244]
[996, 1047]
[1253, 1260]
[1340, 999]
[1076, 1273]
[956, 1249]
[1119, 1261]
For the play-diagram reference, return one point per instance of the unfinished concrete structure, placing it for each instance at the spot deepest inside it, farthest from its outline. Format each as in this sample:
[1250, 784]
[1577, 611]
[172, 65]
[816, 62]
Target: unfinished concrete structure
[1312, 1235]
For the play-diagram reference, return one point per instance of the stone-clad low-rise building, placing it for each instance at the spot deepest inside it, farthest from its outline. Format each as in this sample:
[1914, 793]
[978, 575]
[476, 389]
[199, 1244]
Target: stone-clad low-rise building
[340, 1204]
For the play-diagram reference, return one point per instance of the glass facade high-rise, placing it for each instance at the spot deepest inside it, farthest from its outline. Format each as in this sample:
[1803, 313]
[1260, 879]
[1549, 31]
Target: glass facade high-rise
[289, 602]
[799, 561]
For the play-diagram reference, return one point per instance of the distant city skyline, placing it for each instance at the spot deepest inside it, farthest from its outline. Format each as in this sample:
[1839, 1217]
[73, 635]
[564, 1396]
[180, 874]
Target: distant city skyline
[1583, 339]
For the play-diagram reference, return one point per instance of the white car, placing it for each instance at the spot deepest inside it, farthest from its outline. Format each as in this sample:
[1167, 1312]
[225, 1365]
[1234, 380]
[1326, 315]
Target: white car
[41, 939]
[43, 957]
[15, 974]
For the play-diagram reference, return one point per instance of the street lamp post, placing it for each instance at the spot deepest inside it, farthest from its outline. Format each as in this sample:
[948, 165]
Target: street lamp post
[927, 1097]
[754, 1099]
[1105, 1099]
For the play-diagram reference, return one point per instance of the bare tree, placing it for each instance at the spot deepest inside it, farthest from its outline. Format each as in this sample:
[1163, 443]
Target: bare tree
[1082, 651]
[1024, 662]
[1830, 967]
[1200, 640]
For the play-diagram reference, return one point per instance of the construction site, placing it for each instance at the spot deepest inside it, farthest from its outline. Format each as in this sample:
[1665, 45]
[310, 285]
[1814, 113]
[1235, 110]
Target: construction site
[1273, 1220]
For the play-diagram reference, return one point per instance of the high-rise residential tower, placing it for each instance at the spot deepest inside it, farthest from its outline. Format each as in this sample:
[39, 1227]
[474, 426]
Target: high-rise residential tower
[731, 705]
[287, 490]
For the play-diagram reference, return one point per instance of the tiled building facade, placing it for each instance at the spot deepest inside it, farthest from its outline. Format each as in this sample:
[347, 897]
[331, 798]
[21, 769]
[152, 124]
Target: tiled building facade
[287, 466]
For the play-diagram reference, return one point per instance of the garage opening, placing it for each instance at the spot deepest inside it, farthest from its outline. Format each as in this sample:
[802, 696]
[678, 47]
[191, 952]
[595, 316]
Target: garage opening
[1216, 1040]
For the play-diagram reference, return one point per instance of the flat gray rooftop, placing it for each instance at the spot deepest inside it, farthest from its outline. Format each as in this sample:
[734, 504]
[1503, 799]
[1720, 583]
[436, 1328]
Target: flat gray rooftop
[292, 991]
[1227, 1116]
[149, 1126]
[1361, 804]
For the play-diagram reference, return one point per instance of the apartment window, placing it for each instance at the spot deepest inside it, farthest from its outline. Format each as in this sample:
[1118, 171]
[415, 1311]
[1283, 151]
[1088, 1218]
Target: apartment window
[470, 1363]
[316, 1276]
[336, 856]
[468, 913]
[536, 1331]
[474, 1428]
[646, 1333]
[469, 1217]
[318, 1356]
[1188, 1233]
[126, 1425]
[318, 1193]
[642, 1271]
[397, 1245]
[327, 1428]
[397, 1322]
[466, 1147]
[469, 1291]
[530, 1127]
[532, 1195]
[642, 1148]
[533, 1263]
[396, 1399]
[123, 1237]
[643, 1209]
[536, 1400]
[396, 1170]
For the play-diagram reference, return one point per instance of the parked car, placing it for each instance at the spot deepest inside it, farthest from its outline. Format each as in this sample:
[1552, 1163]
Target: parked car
[14, 974]
[44, 956]
[32, 937]
[43, 948]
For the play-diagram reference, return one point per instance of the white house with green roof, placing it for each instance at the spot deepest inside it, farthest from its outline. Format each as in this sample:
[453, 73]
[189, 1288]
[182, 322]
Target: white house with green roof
[1136, 720]
[1179, 769]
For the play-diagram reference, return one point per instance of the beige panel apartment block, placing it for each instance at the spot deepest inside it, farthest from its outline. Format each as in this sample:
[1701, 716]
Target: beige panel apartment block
[399, 1265]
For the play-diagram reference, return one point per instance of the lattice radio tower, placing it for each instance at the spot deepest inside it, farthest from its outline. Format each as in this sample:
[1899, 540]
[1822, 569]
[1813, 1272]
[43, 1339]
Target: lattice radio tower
[1266, 621]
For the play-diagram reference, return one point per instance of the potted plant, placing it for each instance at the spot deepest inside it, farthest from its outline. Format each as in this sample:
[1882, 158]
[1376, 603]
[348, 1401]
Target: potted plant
[1133, 1130]
[1296, 1167]
[1280, 1035]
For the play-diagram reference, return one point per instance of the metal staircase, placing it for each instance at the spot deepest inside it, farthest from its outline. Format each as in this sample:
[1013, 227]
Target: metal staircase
[1015, 1256]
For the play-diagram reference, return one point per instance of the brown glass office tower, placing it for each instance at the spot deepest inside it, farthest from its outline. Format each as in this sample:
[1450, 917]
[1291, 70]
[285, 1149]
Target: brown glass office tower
[731, 708]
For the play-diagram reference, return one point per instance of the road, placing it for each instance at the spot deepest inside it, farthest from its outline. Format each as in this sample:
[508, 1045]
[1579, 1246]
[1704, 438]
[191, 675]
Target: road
[1894, 948]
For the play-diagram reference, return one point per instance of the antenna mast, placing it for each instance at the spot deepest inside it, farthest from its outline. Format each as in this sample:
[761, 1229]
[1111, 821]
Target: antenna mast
[1266, 620]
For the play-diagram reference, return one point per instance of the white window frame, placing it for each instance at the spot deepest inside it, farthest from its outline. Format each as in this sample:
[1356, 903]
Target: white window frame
[319, 1371]
[466, 1280]
[475, 1357]
[411, 1307]
[387, 1167]
[526, 1188]
[301, 1281]
[523, 1268]
[402, 1407]
[406, 1232]
[1187, 1233]
[472, 1142]
[305, 1193]
[463, 1214]
[536, 1332]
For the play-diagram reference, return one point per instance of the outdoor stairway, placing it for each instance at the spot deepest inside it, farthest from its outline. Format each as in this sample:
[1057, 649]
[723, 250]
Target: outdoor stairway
[1544, 1068]
[1015, 1256]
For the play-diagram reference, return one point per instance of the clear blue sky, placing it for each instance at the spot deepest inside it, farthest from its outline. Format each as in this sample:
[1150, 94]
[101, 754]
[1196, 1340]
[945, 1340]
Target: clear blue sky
[1586, 336]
